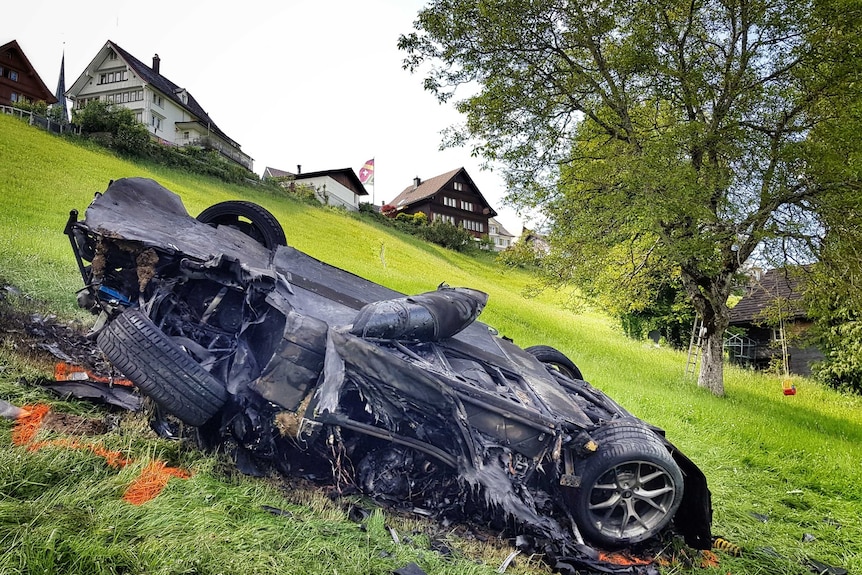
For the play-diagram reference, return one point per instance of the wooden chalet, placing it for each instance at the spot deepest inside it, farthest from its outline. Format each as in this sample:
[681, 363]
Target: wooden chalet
[773, 319]
[19, 81]
[451, 197]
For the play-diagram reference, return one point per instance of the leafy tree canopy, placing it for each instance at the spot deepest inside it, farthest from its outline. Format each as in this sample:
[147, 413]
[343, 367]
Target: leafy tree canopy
[663, 138]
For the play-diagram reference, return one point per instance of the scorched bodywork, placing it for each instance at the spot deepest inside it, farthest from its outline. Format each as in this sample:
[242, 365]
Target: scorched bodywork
[291, 361]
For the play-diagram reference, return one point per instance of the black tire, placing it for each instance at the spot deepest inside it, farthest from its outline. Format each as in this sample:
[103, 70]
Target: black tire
[630, 488]
[253, 220]
[555, 359]
[161, 369]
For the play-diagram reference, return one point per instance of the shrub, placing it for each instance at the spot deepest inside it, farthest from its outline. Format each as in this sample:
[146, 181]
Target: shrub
[448, 235]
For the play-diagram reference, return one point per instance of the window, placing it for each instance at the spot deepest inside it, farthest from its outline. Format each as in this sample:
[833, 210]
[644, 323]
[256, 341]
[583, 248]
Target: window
[493, 229]
[14, 97]
[157, 100]
[13, 75]
[156, 122]
[459, 186]
[139, 116]
[467, 206]
[473, 225]
[451, 202]
[1, 71]
[444, 218]
[112, 55]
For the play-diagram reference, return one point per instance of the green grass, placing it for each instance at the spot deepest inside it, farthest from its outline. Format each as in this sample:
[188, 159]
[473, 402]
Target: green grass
[779, 467]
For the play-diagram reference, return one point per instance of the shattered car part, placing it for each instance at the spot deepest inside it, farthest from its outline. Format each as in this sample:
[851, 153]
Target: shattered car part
[293, 361]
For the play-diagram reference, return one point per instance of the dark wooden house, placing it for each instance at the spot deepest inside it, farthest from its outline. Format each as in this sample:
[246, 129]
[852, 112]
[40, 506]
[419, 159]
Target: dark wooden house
[19, 81]
[773, 322]
[451, 197]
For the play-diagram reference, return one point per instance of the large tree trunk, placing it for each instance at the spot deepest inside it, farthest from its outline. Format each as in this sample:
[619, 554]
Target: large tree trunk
[709, 297]
[712, 361]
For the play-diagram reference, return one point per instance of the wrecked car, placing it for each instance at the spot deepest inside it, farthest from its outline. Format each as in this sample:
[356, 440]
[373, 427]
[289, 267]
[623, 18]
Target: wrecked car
[292, 361]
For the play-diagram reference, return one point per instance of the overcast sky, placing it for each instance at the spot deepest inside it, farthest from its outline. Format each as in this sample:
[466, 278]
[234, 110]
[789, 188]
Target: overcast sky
[311, 82]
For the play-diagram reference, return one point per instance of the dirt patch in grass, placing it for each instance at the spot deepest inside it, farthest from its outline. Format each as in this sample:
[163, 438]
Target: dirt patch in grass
[41, 337]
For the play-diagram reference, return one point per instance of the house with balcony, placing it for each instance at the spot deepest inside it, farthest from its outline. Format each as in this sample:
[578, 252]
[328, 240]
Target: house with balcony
[340, 188]
[19, 81]
[451, 197]
[172, 115]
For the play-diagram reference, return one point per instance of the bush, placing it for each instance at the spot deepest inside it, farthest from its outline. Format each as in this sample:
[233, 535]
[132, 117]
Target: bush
[448, 235]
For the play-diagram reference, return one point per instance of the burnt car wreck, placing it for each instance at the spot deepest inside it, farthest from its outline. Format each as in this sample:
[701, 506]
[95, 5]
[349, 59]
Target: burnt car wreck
[293, 361]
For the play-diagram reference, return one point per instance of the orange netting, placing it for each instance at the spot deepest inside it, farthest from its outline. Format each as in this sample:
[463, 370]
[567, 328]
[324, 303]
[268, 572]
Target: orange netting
[153, 478]
[151, 481]
[64, 371]
[622, 559]
[27, 424]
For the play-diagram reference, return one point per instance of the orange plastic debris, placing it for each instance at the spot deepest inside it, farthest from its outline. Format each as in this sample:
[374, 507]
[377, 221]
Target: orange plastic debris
[708, 559]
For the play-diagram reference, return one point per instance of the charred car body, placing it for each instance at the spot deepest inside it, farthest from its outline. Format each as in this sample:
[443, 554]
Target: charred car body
[291, 360]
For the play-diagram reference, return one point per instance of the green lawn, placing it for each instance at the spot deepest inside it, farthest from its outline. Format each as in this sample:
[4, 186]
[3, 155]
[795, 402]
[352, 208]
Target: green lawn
[781, 468]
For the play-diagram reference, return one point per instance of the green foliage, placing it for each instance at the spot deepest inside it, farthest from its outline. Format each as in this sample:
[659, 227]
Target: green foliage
[448, 235]
[115, 127]
[521, 254]
[656, 135]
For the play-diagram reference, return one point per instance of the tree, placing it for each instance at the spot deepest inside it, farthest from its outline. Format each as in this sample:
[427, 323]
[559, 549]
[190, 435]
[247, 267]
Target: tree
[655, 134]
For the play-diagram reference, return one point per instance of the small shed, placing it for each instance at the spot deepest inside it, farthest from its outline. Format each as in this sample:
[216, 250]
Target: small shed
[773, 322]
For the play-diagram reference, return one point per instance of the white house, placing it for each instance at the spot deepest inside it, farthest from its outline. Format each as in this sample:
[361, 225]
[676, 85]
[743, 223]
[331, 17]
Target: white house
[333, 187]
[499, 236]
[171, 113]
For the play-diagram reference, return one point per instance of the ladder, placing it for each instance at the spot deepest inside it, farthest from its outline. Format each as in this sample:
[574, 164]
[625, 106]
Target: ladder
[694, 347]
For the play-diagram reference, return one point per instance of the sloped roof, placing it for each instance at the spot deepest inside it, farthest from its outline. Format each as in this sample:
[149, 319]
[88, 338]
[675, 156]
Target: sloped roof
[49, 98]
[171, 91]
[414, 194]
[772, 285]
[276, 173]
[356, 185]
[501, 231]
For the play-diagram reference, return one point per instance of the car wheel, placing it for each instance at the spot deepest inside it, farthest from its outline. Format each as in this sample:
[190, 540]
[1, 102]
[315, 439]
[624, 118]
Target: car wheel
[161, 369]
[629, 489]
[555, 359]
[251, 219]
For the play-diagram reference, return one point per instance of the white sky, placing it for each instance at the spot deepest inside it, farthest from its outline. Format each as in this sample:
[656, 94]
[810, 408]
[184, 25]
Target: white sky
[311, 82]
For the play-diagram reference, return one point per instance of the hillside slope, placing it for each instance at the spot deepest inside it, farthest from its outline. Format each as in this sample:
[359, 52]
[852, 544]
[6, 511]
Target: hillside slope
[793, 460]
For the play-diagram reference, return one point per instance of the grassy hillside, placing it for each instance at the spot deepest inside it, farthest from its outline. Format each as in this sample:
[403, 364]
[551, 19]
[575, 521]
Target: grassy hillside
[779, 467]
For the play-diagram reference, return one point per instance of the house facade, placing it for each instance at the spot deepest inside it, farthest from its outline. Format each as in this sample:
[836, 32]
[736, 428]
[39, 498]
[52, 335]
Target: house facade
[19, 81]
[171, 113]
[773, 322]
[451, 197]
[340, 188]
[500, 238]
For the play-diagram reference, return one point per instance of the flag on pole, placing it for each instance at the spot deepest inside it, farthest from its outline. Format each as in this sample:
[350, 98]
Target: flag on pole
[366, 173]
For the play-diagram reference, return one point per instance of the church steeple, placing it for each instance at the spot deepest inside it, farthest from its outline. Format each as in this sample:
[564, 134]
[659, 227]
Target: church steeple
[61, 90]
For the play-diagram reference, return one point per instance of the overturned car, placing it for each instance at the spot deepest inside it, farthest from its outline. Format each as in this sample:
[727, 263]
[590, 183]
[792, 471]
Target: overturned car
[292, 361]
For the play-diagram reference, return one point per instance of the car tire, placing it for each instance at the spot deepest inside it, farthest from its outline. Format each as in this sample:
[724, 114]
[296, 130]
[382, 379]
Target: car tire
[161, 369]
[555, 359]
[630, 488]
[251, 219]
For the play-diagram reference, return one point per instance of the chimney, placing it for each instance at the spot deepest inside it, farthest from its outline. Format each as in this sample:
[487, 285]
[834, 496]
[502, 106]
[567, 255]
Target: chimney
[298, 169]
[416, 182]
[156, 61]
